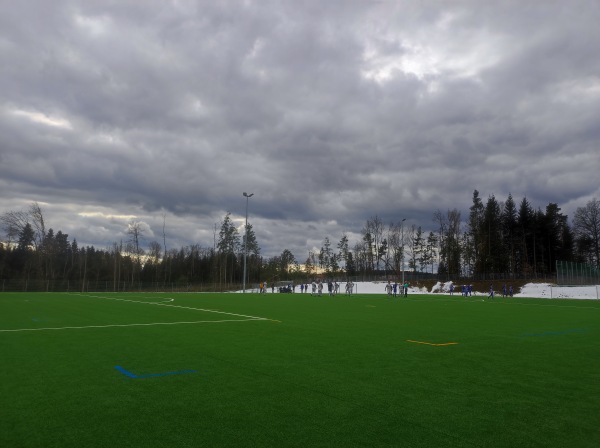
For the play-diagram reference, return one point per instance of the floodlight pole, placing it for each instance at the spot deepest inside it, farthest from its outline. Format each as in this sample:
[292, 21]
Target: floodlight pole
[402, 260]
[247, 196]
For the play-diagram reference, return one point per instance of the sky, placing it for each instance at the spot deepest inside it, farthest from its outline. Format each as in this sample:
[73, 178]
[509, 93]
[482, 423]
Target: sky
[330, 113]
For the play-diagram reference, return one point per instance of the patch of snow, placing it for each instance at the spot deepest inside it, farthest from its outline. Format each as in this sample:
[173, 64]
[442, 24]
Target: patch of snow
[532, 290]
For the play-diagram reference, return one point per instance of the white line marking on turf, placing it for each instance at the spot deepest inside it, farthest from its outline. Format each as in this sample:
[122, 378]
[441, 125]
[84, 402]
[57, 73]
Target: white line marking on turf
[130, 325]
[163, 299]
[176, 306]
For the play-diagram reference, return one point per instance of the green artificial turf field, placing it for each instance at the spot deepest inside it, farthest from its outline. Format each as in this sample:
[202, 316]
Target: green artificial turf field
[167, 370]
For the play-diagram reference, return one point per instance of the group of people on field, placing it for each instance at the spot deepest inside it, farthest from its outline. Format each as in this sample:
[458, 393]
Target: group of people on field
[333, 288]
[393, 288]
[467, 290]
[262, 287]
[505, 292]
[316, 287]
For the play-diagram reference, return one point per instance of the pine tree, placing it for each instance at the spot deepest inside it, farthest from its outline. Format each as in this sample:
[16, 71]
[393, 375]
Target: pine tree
[429, 257]
[343, 251]
[227, 246]
[525, 237]
[492, 244]
[476, 234]
[509, 233]
[417, 249]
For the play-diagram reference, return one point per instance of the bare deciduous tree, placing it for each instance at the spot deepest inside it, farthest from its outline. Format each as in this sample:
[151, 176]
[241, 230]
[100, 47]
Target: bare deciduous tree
[586, 226]
[14, 222]
[135, 231]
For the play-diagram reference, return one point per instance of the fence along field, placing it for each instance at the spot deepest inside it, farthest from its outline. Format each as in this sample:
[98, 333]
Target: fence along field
[571, 273]
[158, 369]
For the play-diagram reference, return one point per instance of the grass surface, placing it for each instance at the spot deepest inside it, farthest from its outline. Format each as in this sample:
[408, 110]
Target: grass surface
[295, 370]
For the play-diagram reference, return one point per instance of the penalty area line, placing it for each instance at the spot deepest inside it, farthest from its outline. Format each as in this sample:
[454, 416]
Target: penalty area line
[131, 325]
[175, 306]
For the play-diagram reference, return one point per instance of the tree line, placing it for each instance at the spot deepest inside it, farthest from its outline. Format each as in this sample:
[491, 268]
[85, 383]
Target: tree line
[497, 238]
[517, 241]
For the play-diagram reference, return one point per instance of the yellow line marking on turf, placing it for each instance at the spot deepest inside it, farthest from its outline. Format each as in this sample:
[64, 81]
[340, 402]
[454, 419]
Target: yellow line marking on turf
[431, 343]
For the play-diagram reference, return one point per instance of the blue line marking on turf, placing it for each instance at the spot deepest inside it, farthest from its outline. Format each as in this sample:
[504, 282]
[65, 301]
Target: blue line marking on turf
[125, 372]
[133, 375]
[166, 373]
[555, 333]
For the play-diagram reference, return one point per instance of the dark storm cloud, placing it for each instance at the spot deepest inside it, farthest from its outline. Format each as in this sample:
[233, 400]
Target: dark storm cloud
[330, 112]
